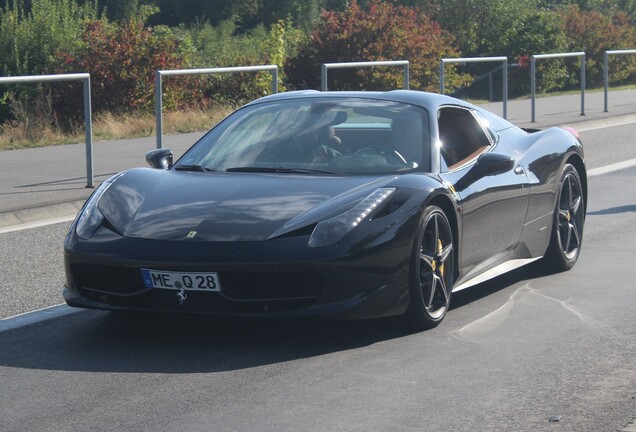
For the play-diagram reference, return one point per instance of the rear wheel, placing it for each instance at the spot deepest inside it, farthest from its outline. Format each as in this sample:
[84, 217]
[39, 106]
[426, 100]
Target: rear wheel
[569, 218]
[432, 270]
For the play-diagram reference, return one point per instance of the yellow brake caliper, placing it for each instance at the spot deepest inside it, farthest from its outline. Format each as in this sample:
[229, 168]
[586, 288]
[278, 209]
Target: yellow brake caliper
[439, 250]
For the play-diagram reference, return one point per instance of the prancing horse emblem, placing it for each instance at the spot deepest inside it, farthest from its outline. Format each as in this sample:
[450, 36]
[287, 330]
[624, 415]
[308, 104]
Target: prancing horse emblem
[181, 296]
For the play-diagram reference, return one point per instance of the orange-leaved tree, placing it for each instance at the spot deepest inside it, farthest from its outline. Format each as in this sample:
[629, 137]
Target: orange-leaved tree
[381, 31]
[594, 33]
[122, 58]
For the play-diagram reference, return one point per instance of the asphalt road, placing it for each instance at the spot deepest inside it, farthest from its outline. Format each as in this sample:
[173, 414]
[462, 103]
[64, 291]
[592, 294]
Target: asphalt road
[510, 354]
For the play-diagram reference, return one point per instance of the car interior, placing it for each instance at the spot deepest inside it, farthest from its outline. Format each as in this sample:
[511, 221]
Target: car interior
[463, 138]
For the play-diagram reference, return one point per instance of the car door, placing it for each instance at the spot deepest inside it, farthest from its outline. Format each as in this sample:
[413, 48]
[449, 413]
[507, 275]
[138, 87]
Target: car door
[493, 207]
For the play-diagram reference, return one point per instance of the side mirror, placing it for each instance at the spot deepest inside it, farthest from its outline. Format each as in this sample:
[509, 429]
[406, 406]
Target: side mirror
[488, 164]
[159, 158]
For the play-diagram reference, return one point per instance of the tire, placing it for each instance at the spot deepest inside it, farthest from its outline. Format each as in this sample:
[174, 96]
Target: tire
[432, 271]
[569, 219]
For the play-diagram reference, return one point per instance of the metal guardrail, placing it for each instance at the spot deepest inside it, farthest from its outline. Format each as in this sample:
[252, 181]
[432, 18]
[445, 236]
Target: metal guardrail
[326, 66]
[161, 73]
[606, 54]
[533, 79]
[503, 60]
[88, 124]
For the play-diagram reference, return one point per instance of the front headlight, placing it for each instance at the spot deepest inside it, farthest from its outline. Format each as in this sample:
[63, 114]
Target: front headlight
[331, 230]
[90, 218]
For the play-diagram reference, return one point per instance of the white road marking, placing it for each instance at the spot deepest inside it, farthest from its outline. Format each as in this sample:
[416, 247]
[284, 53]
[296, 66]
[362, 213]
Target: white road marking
[37, 224]
[36, 316]
[603, 126]
[611, 168]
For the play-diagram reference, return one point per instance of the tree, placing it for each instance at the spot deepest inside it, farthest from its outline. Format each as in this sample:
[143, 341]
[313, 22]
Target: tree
[120, 9]
[31, 33]
[594, 33]
[381, 32]
[122, 58]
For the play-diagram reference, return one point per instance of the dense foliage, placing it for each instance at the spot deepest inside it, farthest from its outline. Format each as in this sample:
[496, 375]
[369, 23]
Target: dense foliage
[121, 43]
[383, 31]
[121, 59]
[30, 37]
[594, 33]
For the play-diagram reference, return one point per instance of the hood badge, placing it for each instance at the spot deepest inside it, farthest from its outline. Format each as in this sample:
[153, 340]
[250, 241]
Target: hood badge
[181, 296]
[191, 235]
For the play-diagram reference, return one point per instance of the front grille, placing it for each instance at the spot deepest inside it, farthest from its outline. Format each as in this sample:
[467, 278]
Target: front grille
[270, 285]
[123, 281]
[237, 286]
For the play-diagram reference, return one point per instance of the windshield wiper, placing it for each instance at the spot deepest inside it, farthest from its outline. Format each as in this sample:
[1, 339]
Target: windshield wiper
[199, 168]
[277, 170]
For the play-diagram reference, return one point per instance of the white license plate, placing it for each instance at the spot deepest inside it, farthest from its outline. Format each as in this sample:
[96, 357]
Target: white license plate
[176, 280]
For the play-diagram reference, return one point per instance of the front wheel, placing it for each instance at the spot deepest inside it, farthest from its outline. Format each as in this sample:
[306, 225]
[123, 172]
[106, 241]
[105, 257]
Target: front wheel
[569, 218]
[432, 270]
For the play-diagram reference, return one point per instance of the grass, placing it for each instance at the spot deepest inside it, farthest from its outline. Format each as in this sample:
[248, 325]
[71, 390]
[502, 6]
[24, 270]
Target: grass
[110, 127]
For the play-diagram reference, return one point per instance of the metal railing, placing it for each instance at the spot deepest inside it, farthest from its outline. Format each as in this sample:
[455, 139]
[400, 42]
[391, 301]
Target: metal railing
[161, 73]
[88, 124]
[326, 66]
[533, 79]
[504, 68]
[606, 54]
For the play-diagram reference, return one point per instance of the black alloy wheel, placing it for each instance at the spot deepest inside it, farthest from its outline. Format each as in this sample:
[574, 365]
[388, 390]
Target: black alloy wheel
[569, 218]
[432, 270]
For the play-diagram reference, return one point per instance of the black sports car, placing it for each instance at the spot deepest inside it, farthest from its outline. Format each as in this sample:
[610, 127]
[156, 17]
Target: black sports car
[342, 204]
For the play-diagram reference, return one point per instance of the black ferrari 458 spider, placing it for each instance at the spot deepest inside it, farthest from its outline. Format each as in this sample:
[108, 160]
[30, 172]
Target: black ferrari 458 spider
[339, 204]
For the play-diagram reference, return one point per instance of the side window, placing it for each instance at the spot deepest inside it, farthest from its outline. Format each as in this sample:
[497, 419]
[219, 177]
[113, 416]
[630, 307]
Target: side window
[487, 126]
[461, 135]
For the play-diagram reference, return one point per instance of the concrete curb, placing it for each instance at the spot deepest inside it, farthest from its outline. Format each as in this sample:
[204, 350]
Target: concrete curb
[599, 123]
[36, 214]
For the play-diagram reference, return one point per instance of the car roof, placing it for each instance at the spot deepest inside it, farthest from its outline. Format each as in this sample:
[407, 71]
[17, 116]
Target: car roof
[430, 101]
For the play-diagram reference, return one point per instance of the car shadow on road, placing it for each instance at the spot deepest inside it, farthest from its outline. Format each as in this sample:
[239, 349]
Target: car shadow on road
[98, 341]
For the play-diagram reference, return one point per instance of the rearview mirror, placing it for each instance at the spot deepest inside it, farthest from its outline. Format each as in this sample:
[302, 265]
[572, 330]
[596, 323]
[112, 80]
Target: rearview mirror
[159, 158]
[488, 164]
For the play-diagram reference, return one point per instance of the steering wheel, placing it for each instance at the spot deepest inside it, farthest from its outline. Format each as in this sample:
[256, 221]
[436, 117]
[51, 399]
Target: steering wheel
[392, 157]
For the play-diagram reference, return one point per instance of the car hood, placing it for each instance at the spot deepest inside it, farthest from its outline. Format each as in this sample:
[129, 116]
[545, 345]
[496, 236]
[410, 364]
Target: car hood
[194, 206]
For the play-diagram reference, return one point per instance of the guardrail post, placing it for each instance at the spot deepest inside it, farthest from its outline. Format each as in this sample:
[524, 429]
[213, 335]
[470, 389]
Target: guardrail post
[406, 80]
[88, 123]
[326, 66]
[441, 76]
[533, 87]
[504, 67]
[275, 81]
[606, 70]
[159, 109]
[273, 69]
[505, 88]
[583, 84]
[323, 77]
[605, 80]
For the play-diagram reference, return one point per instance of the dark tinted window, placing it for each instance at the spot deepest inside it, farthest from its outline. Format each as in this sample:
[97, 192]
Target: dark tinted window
[462, 137]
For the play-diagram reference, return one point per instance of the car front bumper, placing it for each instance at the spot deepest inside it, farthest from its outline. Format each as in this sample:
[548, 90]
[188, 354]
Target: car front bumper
[280, 277]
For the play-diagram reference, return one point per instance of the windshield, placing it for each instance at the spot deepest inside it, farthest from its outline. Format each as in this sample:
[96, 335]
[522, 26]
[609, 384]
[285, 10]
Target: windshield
[317, 135]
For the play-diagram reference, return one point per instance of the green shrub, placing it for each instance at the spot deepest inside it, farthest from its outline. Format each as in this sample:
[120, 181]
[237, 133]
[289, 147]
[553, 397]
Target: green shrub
[122, 58]
[381, 32]
[220, 46]
[30, 39]
[595, 33]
